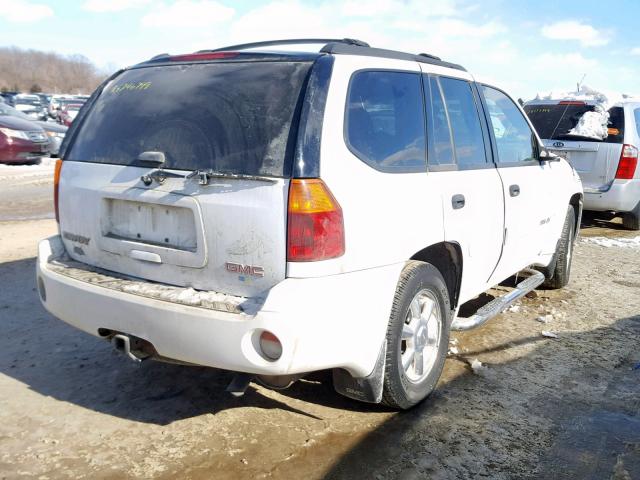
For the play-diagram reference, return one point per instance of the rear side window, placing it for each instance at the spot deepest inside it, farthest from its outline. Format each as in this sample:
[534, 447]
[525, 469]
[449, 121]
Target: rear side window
[636, 113]
[385, 124]
[555, 121]
[515, 140]
[229, 117]
[440, 144]
[465, 122]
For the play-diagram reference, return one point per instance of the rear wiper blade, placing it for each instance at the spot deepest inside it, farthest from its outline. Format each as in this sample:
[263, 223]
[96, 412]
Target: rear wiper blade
[204, 176]
[160, 175]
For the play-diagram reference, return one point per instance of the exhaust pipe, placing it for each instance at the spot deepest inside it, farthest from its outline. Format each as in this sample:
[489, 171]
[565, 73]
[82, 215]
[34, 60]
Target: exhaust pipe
[122, 343]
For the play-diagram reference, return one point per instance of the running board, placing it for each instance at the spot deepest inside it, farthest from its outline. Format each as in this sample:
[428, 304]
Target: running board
[498, 304]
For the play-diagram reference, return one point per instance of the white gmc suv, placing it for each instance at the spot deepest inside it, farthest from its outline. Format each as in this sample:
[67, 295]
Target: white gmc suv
[276, 213]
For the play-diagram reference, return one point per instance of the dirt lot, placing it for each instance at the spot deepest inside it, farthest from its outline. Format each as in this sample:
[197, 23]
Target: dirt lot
[539, 407]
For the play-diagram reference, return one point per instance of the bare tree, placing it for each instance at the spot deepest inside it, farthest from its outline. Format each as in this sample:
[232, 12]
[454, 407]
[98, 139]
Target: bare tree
[28, 70]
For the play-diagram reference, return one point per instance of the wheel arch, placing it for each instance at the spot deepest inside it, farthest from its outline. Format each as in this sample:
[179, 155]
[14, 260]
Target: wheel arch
[447, 258]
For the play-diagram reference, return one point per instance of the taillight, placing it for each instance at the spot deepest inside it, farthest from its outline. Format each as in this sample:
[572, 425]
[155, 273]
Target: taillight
[56, 184]
[628, 163]
[316, 227]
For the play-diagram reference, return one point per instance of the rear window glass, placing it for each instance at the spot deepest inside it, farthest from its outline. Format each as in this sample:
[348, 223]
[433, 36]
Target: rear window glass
[385, 124]
[636, 113]
[228, 117]
[553, 122]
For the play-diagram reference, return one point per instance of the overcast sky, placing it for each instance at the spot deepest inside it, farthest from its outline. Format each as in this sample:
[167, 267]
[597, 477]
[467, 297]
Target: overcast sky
[511, 43]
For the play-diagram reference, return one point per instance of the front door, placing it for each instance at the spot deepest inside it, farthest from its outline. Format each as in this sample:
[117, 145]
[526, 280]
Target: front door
[529, 190]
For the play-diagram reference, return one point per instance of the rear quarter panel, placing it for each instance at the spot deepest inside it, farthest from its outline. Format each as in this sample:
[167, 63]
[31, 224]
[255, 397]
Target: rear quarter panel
[388, 217]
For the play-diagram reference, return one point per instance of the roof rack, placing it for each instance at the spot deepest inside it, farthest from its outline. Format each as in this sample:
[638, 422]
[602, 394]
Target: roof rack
[295, 41]
[347, 49]
[345, 46]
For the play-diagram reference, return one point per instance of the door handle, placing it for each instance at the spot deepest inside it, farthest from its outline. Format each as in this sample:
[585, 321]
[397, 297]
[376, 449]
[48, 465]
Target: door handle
[457, 201]
[514, 190]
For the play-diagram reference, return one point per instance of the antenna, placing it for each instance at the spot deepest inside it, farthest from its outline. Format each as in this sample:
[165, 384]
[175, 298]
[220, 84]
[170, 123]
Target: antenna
[579, 84]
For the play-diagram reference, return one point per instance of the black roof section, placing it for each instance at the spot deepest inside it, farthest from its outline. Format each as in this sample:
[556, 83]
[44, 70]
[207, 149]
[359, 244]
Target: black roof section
[346, 46]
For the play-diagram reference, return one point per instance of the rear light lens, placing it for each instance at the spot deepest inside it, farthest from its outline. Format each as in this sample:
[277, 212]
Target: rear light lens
[628, 163]
[56, 184]
[196, 57]
[270, 345]
[316, 227]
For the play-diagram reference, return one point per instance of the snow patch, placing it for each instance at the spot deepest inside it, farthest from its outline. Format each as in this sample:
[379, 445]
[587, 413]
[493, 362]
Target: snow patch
[548, 334]
[614, 242]
[594, 124]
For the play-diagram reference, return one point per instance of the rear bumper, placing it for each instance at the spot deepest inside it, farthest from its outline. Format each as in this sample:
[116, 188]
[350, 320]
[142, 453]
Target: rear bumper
[623, 196]
[327, 322]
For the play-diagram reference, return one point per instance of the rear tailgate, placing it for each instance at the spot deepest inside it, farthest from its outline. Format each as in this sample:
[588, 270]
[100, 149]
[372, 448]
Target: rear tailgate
[228, 235]
[595, 162]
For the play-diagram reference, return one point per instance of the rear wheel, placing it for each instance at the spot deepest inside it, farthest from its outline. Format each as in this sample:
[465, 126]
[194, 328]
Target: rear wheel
[417, 336]
[564, 253]
[631, 220]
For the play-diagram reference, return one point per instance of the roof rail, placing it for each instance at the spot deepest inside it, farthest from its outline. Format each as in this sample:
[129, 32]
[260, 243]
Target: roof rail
[295, 41]
[350, 49]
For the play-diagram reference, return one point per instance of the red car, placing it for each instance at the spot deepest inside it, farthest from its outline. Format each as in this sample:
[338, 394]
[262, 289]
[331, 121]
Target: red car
[68, 113]
[21, 141]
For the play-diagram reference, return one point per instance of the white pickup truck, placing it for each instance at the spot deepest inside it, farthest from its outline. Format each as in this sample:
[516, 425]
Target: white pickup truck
[276, 213]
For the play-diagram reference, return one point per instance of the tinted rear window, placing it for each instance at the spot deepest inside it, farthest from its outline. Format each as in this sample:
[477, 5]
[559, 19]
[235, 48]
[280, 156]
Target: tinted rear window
[555, 121]
[385, 124]
[228, 117]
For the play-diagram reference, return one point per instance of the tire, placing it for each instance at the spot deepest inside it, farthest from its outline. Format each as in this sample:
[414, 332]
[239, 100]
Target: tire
[631, 220]
[564, 253]
[421, 289]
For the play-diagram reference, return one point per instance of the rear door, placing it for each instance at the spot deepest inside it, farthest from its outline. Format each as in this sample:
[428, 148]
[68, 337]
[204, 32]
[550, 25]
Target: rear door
[459, 158]
[227, 234]
[595, 160]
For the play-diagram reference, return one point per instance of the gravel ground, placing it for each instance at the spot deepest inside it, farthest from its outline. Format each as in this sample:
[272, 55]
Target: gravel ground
[537, 407]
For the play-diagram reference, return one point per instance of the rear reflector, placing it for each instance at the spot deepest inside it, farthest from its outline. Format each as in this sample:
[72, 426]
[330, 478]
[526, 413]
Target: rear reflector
[56, 184]
[270, 345]
[315, 224]
[196, 57]
[628, 163]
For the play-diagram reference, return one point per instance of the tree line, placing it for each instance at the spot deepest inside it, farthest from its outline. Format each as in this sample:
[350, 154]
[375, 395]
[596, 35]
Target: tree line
[36, 71]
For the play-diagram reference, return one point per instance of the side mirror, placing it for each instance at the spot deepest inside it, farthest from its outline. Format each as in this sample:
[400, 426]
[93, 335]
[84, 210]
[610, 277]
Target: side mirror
[547, 156]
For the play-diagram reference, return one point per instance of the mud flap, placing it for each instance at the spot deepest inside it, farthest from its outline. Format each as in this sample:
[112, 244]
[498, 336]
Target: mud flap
[366, 389]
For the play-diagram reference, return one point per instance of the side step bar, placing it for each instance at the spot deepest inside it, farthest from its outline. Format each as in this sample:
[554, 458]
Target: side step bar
[498, 304]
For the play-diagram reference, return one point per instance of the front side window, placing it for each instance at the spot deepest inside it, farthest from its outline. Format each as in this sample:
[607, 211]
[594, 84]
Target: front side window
[465, 122]
[385, 124]
[515, 140]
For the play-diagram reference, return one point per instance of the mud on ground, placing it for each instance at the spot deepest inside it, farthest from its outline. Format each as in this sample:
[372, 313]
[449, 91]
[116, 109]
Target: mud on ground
[538, 407]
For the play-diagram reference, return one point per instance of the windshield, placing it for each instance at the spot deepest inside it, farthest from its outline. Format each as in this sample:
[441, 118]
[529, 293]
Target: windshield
[236, 117]
[27, 101]
[7, 111]
[554, 122]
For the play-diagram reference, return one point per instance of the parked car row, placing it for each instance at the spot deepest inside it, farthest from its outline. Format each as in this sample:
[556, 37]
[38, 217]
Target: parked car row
[42, 106]
[25, 140]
